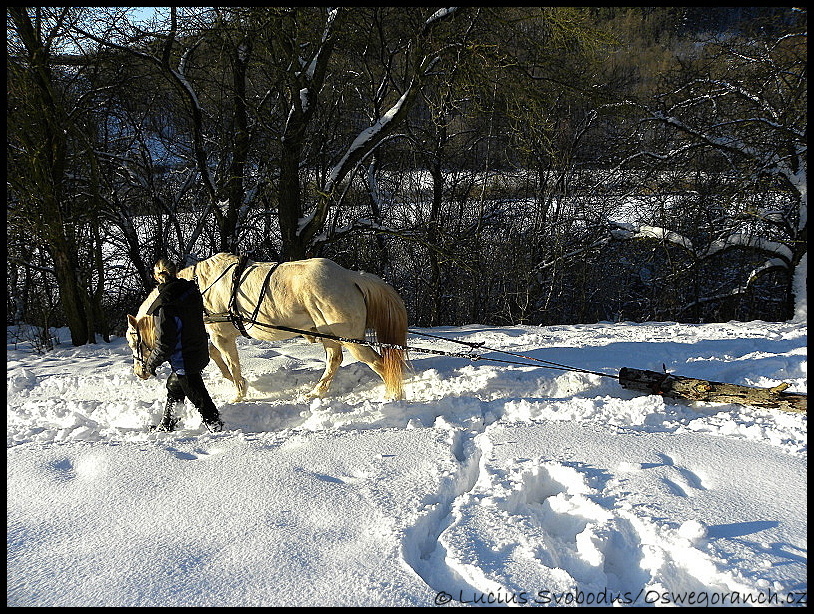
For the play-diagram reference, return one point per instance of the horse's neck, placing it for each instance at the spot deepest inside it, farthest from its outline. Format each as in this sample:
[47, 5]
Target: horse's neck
[142, 311]
[216, 285]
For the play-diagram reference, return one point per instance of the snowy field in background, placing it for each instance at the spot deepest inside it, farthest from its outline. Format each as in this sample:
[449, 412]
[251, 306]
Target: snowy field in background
[488, 483]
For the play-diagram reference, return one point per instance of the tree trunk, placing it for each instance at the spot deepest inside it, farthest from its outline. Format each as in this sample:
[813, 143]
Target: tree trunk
[676, 387]
[69, 292]
[240, 150]
[290, 203]
[48, 174]
[435, 286]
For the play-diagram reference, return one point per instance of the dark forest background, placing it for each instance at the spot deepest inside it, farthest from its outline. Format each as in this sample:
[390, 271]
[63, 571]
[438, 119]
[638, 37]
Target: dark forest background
[519, 165]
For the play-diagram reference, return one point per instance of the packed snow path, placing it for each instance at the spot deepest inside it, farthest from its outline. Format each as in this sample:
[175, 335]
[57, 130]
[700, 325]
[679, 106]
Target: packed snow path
[488, 484]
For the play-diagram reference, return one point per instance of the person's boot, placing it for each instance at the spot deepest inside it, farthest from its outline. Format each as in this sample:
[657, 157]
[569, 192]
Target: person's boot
[210, 415]
[168, 422]
[215, 425]
[211, 419]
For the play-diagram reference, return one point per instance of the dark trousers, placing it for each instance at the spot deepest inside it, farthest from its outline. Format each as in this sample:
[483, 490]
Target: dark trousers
[191, 386]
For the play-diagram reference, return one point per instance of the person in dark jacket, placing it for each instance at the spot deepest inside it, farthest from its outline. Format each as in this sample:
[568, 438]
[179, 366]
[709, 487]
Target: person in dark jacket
[181, 340]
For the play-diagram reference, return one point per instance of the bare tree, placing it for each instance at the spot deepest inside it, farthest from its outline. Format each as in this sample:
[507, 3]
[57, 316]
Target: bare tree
[39, 125]
[301, 223]
[741, 113]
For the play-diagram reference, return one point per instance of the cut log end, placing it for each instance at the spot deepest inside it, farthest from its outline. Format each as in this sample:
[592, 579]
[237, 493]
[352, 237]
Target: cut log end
[677, 387]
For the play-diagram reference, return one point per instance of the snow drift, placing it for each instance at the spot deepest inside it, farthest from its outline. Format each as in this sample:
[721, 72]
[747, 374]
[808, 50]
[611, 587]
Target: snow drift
[488, 484]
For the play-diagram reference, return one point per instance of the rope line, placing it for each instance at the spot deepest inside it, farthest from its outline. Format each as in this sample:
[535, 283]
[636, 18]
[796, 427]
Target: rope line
[551, 365]
[544, 364]
[233, 316]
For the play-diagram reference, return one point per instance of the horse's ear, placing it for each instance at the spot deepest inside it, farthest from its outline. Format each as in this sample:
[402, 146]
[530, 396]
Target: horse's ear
[132, 321]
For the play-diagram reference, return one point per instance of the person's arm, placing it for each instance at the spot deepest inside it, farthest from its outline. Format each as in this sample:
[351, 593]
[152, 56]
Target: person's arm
[166, 340]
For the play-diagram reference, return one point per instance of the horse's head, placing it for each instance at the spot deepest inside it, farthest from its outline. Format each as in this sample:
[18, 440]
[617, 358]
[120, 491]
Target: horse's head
[140, 338]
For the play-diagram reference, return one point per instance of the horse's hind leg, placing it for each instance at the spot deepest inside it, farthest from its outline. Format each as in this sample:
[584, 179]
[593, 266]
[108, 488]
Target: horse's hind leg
[333, 358]
[368, 356]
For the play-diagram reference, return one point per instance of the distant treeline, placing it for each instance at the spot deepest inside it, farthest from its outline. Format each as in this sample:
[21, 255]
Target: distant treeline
[537, 165]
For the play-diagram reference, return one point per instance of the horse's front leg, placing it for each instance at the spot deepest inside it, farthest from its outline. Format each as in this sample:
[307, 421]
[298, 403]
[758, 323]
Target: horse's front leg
[226, 346]
[214, 354]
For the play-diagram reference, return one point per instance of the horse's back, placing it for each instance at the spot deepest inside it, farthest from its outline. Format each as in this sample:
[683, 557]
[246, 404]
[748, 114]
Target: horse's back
[309, 267]
[317, 268]
[294, 288]
[321, 280]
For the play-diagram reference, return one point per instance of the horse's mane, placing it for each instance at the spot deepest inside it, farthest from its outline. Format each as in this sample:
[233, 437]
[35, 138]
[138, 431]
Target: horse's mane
[146, 325]
[205, 268]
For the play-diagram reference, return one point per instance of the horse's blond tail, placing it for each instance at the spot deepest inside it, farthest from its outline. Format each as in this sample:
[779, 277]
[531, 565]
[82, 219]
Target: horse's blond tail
[387, 317]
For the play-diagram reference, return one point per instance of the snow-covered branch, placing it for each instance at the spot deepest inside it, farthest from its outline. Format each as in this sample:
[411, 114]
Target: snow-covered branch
[439, 15]
[379, 130]
[766, 267]
[366, 140]
[777, 250]
[756, 243]
[642, 231]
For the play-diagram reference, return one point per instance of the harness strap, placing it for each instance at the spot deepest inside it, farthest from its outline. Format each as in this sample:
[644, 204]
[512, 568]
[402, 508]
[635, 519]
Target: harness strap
[237, 320]
[232, 310]
[263, 292]
[205, 290]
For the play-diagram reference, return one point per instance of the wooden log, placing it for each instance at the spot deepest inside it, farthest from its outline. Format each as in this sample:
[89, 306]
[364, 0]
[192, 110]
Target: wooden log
[678, 387]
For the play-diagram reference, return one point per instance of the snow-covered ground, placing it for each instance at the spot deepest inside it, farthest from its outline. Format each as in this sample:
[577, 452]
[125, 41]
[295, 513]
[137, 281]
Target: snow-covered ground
[489, 483]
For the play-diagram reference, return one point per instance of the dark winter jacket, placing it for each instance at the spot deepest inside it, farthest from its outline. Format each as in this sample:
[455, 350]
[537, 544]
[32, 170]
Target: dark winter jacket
[181, 338]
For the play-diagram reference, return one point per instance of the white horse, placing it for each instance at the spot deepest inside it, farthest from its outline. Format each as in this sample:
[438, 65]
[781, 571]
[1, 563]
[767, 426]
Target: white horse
[315, 295]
